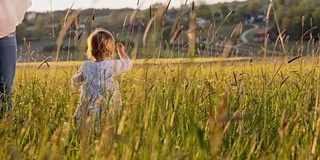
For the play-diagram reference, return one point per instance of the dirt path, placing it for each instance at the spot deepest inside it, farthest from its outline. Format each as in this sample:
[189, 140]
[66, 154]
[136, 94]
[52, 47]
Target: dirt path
[244, 35]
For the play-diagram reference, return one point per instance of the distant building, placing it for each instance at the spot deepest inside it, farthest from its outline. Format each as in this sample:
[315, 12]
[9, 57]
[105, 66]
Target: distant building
[261, 17]
[185, 16]
[217, 14]
[248, 19]
[31, 16]
[169, 19]
[82, 26]
[201, 21]
[259, 34]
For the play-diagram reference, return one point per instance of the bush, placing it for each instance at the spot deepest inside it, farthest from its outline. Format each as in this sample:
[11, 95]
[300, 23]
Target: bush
[21, 31]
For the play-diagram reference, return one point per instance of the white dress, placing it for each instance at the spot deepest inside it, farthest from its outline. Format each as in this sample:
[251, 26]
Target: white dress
[99, 85]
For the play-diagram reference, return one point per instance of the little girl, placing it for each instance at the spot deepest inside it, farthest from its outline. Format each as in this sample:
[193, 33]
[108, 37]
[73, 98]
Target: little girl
[99, 86]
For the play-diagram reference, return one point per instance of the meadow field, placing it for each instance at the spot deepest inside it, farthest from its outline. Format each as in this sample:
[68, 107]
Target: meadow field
[200, 103]
[252, 109]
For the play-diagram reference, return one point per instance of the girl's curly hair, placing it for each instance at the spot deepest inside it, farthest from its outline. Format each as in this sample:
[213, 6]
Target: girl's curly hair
[101, 44]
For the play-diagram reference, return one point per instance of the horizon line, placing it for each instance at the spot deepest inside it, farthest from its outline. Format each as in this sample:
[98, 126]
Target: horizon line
[118, 8]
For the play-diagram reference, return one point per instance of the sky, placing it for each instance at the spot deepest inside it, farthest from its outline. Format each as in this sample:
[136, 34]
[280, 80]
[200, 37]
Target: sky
[44, 5]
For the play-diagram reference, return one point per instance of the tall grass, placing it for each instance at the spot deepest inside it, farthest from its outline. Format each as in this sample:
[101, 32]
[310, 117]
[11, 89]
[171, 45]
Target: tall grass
[259, 109]
[170, 112]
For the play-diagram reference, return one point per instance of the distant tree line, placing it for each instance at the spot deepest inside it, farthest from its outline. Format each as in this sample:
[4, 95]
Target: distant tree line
[296, 17]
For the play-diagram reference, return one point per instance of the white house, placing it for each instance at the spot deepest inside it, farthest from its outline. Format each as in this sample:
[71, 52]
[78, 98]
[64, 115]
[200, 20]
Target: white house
[31, 16]
[201, 21]
[249, 20]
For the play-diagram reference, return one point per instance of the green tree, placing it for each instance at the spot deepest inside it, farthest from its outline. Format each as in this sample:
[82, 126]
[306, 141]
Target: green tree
[223, 7]
[316, 13]
[253, 7]
[40, 24]
[21, 31]
[204, 12]
[298, 16]
[156, 5]
[146, 14]
[115, 19]
[173, 11]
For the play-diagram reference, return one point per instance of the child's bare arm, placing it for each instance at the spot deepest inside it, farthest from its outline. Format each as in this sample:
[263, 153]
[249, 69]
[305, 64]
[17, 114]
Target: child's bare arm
[125, 64]
[121, 52]
[77, 78]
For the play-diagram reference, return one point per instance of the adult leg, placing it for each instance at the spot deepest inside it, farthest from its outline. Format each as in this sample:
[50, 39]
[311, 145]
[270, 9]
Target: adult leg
[8, 56]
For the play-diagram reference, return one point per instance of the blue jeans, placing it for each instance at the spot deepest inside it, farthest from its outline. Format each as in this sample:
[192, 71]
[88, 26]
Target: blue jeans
[8, 56]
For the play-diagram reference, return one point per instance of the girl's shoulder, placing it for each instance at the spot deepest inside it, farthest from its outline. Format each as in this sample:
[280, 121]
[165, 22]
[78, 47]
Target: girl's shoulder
[90, 64]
